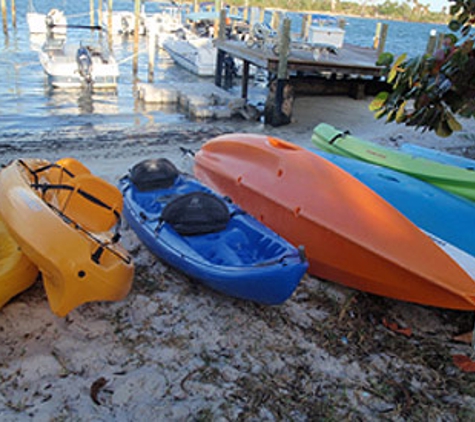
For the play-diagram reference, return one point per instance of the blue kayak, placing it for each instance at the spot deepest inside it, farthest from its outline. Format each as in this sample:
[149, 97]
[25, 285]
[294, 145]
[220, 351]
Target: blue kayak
[439, 156]
[440, 213]
[207, 237]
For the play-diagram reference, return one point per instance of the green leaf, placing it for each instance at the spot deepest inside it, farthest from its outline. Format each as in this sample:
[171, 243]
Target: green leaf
[453, 123]
[401, 113]
[454, 25]
[391, 116]
[385, 59]
[380, 113]
[443, 129]
[400, 59]
[379, 101]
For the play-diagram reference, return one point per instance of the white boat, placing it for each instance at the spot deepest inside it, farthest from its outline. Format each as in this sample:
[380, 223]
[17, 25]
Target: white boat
[54, 22]
[165, 24]
[123, 22]
[197, 52]
[76, 66]
[197, 55]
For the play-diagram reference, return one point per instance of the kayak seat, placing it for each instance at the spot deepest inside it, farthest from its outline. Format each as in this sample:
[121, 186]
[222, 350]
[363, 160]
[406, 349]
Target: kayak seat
[196, 213]
[153, 174]
[91, 202]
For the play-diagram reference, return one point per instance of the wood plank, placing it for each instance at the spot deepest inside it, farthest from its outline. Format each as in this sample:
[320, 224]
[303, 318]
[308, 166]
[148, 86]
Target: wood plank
[349, 60]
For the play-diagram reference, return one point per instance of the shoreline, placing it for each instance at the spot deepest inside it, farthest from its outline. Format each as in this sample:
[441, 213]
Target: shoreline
[175, 350]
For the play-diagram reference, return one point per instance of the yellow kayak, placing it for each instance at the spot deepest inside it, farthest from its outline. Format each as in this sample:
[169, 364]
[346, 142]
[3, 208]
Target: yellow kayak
[66, 221]
[17, 272]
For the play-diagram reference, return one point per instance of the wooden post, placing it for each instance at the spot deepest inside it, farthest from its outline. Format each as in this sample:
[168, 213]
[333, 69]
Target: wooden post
[245, 79]
[91, 12]
[217, 22]
[262, 14]
[220, 53]
[246, 11]
[377, 36]
[109, 21]
[4, 17]
[196, 6]
[430, 49]
[135, 65]
[275, 20]
[278, 110]
[382, 39]
[99, 12]
[306, 22]
[13, 14]
[152, 47]
[440, 40]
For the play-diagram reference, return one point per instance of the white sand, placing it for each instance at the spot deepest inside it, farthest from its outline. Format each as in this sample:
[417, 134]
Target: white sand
[174, 350]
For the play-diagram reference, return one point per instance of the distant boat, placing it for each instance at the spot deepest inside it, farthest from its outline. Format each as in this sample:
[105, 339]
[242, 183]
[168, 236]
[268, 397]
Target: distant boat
[197, 55]
[54, 22]
[123, 22]
[88, 64]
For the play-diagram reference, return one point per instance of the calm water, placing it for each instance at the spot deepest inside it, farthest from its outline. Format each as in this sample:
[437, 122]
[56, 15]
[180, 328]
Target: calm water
[29, 106]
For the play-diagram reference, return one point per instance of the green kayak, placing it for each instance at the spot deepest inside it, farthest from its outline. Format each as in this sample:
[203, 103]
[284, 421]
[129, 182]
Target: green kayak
[454, 179]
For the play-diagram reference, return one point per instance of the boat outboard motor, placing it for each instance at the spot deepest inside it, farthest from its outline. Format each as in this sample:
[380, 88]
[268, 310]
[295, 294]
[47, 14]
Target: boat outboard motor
[84, 62]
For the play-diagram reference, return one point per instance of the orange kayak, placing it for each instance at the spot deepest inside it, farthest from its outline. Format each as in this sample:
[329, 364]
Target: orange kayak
[350, 234]
[62, 218]
[17, 272]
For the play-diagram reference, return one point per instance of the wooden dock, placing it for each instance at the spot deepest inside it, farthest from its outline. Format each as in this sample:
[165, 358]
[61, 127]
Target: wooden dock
[351, 65]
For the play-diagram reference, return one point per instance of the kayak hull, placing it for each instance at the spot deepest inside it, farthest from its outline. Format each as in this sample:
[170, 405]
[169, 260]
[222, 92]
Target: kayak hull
[456, 180]
[244, 260]
[17, 272]
[432, 209]
[350, 234]
[72, 269]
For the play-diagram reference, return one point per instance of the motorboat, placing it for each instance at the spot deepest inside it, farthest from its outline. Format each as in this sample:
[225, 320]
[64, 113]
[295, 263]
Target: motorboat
[123, 22]
[53, 22]
[87, 64]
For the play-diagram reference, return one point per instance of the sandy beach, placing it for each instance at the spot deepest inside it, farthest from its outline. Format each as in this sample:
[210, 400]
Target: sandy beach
[174, 350]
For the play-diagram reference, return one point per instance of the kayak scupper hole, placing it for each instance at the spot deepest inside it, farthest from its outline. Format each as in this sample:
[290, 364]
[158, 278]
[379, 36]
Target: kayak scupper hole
[81, 274]
[280, 172]
[297, 211]
[239, 180]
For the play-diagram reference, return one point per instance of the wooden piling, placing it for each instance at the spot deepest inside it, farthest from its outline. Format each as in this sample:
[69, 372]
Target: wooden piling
[440, 40]
[4, 17]
[306, 22]
[377, 35]
[100, 7]
[246, 11]
[430, 49]
[217, 9]
[220, 54]
[135, 65]
[152, 48]
[275, 20]
[13, 14]
[380, 38]
[278, 109]
[262, 13]
[91, 12]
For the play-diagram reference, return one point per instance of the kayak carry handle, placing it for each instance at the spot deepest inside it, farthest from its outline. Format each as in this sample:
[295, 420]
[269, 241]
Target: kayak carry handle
[281, 144]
